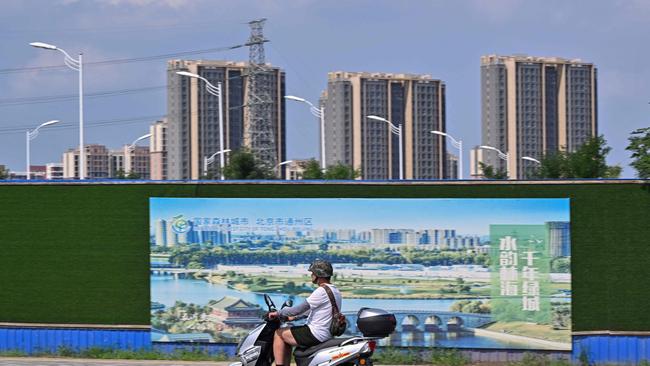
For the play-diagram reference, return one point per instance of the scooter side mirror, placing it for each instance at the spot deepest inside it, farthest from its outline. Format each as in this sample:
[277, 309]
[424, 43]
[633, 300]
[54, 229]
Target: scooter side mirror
[287, 304]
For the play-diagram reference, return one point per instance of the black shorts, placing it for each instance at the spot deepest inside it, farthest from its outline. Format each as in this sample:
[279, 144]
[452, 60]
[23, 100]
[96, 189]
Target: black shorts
[303, 336]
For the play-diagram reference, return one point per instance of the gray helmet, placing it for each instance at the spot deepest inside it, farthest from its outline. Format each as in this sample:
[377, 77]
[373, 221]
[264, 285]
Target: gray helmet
[321, 268]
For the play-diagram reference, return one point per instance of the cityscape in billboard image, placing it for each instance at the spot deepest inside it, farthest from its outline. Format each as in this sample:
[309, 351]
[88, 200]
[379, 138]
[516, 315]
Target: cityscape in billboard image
[462, 273]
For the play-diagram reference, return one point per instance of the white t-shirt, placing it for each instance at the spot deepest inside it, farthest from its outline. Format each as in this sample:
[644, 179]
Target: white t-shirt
[320, 317]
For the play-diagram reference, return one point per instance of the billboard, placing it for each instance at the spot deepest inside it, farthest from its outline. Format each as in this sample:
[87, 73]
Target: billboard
[462, 273]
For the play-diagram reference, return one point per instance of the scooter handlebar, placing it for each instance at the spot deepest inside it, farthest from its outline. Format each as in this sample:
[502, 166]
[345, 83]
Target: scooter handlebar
[269, 302]
[267, 318]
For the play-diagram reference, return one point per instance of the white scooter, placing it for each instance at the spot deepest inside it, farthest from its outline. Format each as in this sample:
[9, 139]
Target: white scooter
[256, 349]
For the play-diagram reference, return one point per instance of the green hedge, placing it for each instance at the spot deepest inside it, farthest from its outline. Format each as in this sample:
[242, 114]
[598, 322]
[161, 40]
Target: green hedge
[79, 253]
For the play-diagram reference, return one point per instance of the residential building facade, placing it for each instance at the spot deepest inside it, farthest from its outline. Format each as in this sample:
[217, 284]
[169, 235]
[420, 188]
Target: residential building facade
[97, 162]
[414, 102]
[532, 106]
[559, 238]
[295, 169]
[136, 161]
[193, 115]
[158, 151]
[54, 171]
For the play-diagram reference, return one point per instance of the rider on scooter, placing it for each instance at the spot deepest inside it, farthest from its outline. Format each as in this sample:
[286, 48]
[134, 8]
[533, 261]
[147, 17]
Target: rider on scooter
[319, 308]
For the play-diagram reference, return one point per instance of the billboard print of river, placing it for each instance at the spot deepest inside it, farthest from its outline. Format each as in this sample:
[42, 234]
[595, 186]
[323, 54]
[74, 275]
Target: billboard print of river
[464, 273]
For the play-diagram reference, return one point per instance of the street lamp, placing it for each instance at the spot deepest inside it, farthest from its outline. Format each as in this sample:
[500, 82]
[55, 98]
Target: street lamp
[128, 160]
[531, 159]
[277, 167]
[397, 130]
[457, 144]
[132, 146]
[216, 91]
[320, 113]
[30, 135]
[501, 154]
[76, 65]
[210, 160]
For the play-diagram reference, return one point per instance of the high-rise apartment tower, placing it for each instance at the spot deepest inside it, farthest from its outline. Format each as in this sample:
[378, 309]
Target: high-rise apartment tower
[416, 102]
[193, 114]
[533, 106]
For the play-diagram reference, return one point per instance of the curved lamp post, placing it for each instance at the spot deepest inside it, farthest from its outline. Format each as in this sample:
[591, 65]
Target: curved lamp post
[531, 159]
[129, 149]
[29, 136]
[397, 130]
[457, 144]
[320, 113]
[210, 160]
[501, 154]
[76, 65]
[132, 146]
[277, 167]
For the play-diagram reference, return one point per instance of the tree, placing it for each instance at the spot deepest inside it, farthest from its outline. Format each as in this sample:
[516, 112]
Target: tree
[4, 173]
[120, 174]
[341, 171]
[640, 148]
[490, 173]
[244, 165]
[261, 281]
[289, 286]
[561, 265]
[613, 171]
[554, 165]
[588, 161]
[312, 170]
[133, 175]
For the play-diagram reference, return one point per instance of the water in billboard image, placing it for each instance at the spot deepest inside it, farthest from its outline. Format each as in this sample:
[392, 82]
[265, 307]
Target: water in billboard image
[463, 273]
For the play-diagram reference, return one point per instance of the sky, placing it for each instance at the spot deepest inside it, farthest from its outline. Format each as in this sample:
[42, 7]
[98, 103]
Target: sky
[466, 216]
[308, 39]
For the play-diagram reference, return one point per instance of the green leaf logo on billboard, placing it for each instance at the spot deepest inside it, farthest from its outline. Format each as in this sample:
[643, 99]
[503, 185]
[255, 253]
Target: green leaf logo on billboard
[180, 225]
[520, 273]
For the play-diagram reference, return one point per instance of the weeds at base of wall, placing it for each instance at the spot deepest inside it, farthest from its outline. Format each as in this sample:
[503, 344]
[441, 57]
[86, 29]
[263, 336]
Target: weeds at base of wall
[397, 356]
[451, 357]
[383, 356]
[108, 353]
[530, 359]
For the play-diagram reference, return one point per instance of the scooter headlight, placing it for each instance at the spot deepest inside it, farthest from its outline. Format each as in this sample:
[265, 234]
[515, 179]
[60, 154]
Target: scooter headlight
[252, 354]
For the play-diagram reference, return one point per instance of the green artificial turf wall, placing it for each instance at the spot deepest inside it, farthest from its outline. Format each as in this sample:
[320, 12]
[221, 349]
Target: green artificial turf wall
[80, 253]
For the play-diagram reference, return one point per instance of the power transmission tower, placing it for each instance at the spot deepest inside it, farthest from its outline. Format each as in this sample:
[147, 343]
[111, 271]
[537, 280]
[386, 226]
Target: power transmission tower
[260, 131]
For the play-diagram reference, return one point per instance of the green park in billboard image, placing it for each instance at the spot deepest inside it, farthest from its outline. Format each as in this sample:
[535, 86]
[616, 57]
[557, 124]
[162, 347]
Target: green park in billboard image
[463, 273]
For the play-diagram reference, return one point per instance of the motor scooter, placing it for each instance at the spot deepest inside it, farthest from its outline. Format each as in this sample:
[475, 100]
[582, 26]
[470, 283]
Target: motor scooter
[256, 349]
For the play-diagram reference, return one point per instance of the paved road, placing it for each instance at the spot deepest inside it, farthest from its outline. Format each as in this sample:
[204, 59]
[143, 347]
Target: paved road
[24, 361]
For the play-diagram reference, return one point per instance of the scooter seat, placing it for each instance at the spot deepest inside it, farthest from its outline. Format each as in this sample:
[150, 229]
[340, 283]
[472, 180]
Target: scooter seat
[302, 352]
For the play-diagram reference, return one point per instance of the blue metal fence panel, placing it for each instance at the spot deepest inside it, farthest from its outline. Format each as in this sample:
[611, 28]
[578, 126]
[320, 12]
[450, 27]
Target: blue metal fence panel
[212, 349]
[50, 340]
[612, 348]
[622, 349]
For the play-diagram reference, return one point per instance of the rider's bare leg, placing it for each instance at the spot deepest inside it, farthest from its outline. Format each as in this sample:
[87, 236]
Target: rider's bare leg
[282, 342]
